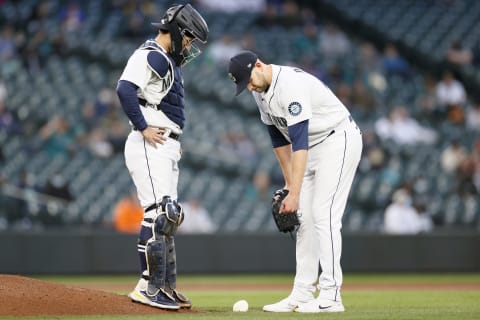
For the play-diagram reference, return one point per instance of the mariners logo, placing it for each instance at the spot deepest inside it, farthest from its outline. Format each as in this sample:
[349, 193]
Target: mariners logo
[295, 108]
[232, 77]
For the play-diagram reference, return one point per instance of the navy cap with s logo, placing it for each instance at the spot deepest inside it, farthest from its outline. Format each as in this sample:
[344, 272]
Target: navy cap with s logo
[240, 69]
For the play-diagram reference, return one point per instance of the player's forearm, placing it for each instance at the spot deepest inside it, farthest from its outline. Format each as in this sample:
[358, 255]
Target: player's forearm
[284, 157]
[299, 163]
[127, 94]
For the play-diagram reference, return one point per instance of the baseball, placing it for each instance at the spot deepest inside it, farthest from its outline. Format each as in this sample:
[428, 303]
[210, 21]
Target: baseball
[240, 306]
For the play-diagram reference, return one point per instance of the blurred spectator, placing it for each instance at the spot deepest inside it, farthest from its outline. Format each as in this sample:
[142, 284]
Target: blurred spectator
[197, 218]
[3, 92]
[72, 16]
[237, 143]
[57, 137]
[118, 131]
[135, 30]
[259, 188]
[402, 218]
[402, 129]
[476, 55]
[476, 161]
[393, 63]
[98, 143]
[286, 14]
[391, 174]
[426, 99]
[362, 98]
[128, 214]
[8, 47]
[473, 116]
[344, 93]
[105, 102]
[57, 186]
[88, 121]
[233, 6]
[451, 98]
[465, 177]
[290, 15]
[425, 221]
[306, 43]
[268, 18]
[374, 157]
[222, 49]
[452, 156]
[457, 54]
[248, 42]
[334, 44]
[368, 66]
[7, 120]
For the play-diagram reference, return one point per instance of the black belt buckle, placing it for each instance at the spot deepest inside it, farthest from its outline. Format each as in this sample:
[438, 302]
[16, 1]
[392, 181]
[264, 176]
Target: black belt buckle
[172, 135]
[144, 103]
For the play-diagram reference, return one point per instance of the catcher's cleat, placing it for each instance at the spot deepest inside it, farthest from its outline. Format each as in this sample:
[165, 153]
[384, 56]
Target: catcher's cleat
[159, 299]
[182, 299]
[321, 305]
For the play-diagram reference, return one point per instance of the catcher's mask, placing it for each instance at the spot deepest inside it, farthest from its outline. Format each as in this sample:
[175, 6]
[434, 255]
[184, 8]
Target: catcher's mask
[184, 24]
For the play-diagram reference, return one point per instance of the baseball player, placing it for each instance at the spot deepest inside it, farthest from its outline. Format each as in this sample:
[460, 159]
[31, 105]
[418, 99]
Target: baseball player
[318, 147]
[152, 95]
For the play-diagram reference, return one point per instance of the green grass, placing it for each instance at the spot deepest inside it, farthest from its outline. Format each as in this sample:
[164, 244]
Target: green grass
[359, 304]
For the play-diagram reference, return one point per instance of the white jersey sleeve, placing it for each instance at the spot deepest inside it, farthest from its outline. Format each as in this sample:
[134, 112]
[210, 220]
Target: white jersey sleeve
[137, 70]
[295, 97]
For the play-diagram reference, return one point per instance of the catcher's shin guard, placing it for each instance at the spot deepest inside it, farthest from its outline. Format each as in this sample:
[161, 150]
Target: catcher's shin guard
[171, 268]
[145, 235]
[156, 263]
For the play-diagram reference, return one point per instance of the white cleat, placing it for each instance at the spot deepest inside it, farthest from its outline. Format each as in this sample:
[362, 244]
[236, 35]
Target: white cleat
[321, 305]
[286, 305]
[136, 295]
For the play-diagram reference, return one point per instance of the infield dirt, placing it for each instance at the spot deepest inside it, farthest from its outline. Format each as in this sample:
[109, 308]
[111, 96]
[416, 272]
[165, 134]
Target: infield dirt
[22, 296]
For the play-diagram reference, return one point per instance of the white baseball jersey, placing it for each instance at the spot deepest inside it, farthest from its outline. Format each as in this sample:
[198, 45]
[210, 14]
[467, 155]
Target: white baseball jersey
[335, 146]
[295, 96]
[152, 87]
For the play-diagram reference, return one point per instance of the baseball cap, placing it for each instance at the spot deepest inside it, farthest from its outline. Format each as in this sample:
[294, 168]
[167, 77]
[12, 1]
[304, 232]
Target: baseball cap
[240, 69]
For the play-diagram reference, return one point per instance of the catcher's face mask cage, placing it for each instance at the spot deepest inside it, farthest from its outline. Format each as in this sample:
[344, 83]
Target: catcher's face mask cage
[190, 48]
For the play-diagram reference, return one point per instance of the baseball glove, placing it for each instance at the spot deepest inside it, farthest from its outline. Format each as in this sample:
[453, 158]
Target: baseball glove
[288, 221]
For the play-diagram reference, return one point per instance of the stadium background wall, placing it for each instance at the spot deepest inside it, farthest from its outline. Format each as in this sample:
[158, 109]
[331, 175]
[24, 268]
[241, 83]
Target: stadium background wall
[89, 252]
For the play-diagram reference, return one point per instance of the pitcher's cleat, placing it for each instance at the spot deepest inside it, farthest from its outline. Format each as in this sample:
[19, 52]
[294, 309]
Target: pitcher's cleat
[321, 305]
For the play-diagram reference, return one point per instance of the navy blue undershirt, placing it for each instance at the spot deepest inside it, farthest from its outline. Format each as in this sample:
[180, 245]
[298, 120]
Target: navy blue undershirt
[298, 135]
[127, 91]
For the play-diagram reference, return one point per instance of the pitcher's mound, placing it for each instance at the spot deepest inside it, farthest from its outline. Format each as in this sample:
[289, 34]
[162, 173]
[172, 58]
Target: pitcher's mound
[22, 296]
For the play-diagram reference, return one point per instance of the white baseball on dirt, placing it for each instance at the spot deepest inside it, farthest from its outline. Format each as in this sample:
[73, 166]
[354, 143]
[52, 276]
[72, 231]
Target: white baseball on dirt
[240, 306]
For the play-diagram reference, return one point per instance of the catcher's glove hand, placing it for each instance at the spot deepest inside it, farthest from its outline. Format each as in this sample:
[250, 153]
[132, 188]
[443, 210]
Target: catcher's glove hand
[288, 221]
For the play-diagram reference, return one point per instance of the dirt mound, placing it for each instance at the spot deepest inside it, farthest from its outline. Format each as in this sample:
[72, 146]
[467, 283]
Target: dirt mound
[22, 296]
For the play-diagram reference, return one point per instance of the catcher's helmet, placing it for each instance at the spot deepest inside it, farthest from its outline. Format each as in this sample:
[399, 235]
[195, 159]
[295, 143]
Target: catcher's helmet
[188, 20]
[180, 21]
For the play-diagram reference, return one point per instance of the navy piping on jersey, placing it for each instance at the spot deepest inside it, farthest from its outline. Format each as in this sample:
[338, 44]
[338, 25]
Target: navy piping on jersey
[274, 85]
[331, 205]
[148, 167]
[299, 135]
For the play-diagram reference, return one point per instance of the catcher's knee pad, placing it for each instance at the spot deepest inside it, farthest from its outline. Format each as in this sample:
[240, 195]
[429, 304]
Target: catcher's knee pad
[156, 262]
[169, 217]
